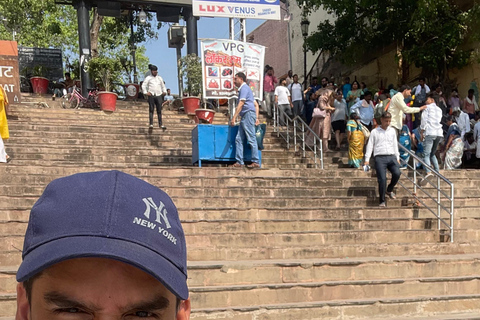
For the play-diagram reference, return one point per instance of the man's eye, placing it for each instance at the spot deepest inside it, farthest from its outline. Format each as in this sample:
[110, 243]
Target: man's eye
[143, 314]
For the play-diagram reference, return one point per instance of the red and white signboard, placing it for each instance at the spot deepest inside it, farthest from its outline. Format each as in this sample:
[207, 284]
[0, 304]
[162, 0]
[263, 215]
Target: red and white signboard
[9, 72]
[222, 59]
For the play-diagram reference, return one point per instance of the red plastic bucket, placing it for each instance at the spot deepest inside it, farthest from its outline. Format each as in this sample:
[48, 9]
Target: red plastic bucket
[205, 114]
[190, 104]
[39, 85]
[107, 100]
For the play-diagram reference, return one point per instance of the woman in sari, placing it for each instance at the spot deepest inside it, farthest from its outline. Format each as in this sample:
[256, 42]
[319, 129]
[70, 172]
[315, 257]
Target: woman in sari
[454, 151]
[3, 125]
[321, 118]
[356, 141]
[353, 95]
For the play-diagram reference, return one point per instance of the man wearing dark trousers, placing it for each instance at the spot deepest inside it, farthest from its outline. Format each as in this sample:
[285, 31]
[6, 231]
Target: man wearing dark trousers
[383, 144]
[154, 88]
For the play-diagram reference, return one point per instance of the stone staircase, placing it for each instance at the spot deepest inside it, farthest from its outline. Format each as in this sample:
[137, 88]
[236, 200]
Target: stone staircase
[282, 242]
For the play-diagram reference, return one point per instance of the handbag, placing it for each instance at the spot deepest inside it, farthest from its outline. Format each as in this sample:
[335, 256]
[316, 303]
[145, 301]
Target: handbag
[366, 132]
[259, 134]
[319, 113]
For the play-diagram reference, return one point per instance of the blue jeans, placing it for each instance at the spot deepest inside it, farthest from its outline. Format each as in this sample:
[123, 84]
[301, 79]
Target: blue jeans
[246, 128]
[430, 146]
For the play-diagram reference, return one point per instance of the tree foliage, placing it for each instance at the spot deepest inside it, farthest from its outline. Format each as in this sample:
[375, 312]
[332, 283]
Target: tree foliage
[48, 25]
[191, 70]
[430, 33]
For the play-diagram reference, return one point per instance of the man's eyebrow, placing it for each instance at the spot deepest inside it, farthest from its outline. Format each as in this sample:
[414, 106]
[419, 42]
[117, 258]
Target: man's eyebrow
[63, 301]
[158, 302]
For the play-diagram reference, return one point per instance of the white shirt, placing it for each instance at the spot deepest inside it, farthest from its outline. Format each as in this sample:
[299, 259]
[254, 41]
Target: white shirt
[397, 108]
[431, 121]
[296, 90]
[463, 122]
[282, 93]
[476, 135]
[382, 143]
[340, 110]
[154, 85]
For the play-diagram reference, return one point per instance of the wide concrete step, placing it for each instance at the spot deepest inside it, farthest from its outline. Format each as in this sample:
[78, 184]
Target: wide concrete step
[349, 174]
[214, 203]
[276, 293]
[368, 190]
[421, 307]
[221, 273]
[302, 246]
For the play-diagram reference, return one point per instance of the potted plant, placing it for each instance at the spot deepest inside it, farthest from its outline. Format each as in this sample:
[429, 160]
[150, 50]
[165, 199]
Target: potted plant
[107, 70]
[38, 80]
[191, 72]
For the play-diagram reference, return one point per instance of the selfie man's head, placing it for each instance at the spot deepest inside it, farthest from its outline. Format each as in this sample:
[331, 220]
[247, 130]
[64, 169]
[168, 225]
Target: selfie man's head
[103, 244]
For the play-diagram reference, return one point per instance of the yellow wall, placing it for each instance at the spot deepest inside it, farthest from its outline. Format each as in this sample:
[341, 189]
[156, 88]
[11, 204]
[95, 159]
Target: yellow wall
[384, 68]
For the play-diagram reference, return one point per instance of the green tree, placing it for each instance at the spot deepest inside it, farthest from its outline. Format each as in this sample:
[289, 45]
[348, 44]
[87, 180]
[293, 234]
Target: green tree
[46, 24]
[191, 70]
[428, 33]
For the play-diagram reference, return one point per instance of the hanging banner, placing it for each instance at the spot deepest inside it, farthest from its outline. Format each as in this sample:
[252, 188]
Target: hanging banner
[251, 9]
[222, 59]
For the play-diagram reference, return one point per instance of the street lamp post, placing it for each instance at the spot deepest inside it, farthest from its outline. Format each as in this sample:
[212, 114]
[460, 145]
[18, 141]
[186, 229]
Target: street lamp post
[304, 25]
[133, 49]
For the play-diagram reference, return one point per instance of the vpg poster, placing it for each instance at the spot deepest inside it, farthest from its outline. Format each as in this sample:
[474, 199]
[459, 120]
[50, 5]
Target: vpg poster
[222, 59]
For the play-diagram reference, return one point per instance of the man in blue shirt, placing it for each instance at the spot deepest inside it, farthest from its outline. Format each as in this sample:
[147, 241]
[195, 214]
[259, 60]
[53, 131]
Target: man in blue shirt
[247, 109]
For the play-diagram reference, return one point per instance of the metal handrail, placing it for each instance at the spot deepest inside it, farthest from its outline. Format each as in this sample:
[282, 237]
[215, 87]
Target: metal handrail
[300, 128]
[448, 223]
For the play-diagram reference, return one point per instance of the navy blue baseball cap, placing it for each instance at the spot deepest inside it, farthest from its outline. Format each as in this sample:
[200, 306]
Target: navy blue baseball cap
[107, 214]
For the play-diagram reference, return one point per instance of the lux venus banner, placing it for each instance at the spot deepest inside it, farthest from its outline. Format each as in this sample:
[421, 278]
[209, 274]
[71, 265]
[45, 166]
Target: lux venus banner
[222, 59]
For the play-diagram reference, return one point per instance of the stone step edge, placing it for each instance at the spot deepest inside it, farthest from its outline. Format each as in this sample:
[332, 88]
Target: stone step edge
[280, 234]
[335, 283]
[338, 303]
[443, 316]
[262, 221]
[329, 261]
[307, 263]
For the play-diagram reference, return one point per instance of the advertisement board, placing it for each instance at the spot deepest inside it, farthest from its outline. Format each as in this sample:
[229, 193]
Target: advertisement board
[9, 72]
[222, 59]
[247, 9]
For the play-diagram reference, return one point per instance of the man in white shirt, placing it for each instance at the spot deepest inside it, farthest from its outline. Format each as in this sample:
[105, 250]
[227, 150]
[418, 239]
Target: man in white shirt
[153, 87]
[383, 143]
[431, 127]
[463, 121]
[398, 107]
[283, 100]
[297, 96]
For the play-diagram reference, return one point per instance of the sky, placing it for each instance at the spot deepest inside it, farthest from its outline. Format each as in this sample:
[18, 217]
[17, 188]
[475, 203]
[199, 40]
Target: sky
[165, 58]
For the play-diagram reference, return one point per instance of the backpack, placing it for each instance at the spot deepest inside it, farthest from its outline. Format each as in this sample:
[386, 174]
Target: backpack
[380, 108]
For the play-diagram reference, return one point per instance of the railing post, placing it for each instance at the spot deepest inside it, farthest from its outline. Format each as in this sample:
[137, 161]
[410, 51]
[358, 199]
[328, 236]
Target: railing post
[303, 139]
[295, 134]
[288, 132]
[452, 197]
[439, 207]
[415, 176]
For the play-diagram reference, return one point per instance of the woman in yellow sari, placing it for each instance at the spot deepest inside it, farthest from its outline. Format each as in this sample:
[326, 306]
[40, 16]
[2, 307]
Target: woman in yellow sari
[356, 141]
[3, 125]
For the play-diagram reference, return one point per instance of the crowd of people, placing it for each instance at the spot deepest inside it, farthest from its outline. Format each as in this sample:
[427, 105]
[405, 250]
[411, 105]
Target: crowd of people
[443, 130]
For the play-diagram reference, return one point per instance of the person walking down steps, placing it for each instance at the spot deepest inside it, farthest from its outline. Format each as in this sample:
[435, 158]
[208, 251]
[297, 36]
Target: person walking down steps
[154, 88]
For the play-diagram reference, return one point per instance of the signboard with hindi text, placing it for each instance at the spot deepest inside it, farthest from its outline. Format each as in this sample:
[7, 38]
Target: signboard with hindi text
[246, 9]
[222, 59]
[9, 72]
